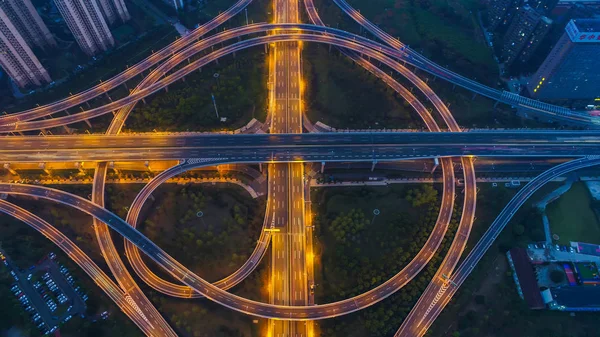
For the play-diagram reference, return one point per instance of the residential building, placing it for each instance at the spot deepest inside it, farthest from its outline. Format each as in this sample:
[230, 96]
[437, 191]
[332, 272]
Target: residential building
[570, 71]
[177, 4]
[497, 12]
[543, 6]
[519, 32]
[17, 58]
[113, 9]
[28, 22]
[540, 31]
[85, 20]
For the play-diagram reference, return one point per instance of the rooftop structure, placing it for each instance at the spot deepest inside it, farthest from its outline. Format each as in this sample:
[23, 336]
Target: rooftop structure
[87, 24]
[28, 22]
[17, 58]
[570, 71]
[519, 33]
[111, 9]
[525, 278]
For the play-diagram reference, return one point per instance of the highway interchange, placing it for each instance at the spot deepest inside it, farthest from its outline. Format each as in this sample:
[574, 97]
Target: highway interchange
[285, 149]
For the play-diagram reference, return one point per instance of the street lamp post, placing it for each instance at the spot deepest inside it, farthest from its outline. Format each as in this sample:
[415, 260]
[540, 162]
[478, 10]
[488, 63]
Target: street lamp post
[215, 105]
[376, 212]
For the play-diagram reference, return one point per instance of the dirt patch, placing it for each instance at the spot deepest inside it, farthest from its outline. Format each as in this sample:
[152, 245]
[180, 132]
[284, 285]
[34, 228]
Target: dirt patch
[489, 284]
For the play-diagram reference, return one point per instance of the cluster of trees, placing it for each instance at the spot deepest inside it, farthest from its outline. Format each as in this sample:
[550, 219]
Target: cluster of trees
[239, 92]
[214, 243]
[422, 196]
[342, 94]
[347, 227]
[382, 251]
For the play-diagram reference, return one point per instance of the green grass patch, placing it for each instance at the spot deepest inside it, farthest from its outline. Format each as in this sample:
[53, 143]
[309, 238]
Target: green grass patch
[123, 33]
[240, 93]
[341, 94]
[572, 218]
[447, 32]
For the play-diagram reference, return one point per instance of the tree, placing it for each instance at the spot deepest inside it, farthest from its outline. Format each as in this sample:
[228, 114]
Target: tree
[518, 229]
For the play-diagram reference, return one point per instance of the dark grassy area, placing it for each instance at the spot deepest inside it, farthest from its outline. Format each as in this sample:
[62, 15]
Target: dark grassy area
[257, 12]
[342, 94]
[214, 245]
[445, 31]
[240, 93]
[356, 255]
[572, 217]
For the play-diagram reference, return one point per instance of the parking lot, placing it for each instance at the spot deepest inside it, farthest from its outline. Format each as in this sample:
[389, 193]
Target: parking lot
[47, 292]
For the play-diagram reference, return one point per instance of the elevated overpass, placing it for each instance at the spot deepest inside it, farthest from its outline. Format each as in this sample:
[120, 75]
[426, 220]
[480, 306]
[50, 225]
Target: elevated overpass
[256, 148]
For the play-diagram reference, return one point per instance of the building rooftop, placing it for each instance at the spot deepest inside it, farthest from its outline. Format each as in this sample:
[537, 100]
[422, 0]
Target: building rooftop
[527, 280]
[587, 25]
[581, 297]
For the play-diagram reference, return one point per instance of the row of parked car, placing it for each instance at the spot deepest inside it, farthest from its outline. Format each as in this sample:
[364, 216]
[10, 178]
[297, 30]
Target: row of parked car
[556, 247]
[35, 316]
[71, 281]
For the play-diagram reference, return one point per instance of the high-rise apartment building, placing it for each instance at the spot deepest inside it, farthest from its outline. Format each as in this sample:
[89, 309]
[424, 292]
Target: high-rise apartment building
[534, 40]
[543, 6]
[177, 4]
[522, 32]
[111, 9]
[87, 24]
[16, 57]
[28, 22]
[497, 12]
[571, 69]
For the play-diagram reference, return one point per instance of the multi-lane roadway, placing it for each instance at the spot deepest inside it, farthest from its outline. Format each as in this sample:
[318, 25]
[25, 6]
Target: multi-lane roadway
[288, 149]
[353, 146]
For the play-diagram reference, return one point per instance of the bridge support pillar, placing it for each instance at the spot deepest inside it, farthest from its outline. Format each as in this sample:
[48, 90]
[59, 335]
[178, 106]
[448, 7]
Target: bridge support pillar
[436, 163]
[453, 87]
[166, 88]
[147, 164]
[426, 79]
[373, 165]
[67, 129]
[474, 95]
[266, 49]
[496, 104]
[87, 121]
[88, 104]
[125, 85]
[107, 96]
[144, 100]
[9, 169]
[434, 78]
[79, 166]
[42, 167]
[322, 166]
[260, 167]
[111, 165]
[217, 61]
[329, 48]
